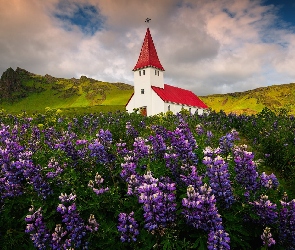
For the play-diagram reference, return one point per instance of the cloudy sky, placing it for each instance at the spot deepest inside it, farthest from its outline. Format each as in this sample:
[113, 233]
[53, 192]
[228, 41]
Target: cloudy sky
[207, 46]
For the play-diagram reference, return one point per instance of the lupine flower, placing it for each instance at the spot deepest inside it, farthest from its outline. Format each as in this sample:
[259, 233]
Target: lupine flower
[141, 150]
[287, 223]
[158, 146]
[130, 130]
[97, 182]
[218, 239]
[266, 210]
[219, 180]
[55, 167]
[158, 201]
[36, 227]
[128, 227]
[226, 142]
[267, 238]
[128, 169]
[181, 152]
[200, 209]
[192, 178]
[92, 224]
[75, 230]
[246, 169]
[199, 129]
[210, 152]
[268, 181]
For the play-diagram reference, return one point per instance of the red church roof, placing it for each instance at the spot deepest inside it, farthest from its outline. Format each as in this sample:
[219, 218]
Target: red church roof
[148, 55]
[179, 96]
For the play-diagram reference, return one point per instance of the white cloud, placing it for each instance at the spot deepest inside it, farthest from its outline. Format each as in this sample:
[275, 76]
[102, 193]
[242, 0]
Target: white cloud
[205, 46]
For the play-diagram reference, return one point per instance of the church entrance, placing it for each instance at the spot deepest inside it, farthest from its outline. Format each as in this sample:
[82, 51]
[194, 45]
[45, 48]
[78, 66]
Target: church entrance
[143, 111]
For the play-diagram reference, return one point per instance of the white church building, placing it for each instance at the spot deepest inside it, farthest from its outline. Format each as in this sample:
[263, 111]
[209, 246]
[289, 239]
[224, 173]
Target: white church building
[151, 96]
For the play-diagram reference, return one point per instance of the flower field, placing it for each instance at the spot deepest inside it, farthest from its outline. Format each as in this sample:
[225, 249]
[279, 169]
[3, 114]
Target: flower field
[124, 181]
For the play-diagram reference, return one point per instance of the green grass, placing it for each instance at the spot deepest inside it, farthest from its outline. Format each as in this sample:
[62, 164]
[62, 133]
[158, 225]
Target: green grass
[70, 95]
[253, 101]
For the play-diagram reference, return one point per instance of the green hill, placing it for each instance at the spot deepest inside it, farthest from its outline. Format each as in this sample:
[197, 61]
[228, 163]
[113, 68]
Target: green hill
[21, 90]
[253, 101]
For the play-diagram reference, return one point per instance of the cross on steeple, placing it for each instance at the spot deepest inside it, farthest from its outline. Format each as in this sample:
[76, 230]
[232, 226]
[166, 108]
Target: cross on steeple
[147, 20]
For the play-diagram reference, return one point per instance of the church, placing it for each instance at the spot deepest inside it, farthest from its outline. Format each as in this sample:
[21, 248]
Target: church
[151, 96]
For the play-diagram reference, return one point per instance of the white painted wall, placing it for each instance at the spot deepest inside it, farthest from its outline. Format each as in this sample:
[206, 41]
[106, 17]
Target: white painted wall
[158, 104]
[176, 108]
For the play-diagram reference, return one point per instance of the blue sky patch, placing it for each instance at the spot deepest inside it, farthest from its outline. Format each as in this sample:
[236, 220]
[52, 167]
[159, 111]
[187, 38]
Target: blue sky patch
[84, 16]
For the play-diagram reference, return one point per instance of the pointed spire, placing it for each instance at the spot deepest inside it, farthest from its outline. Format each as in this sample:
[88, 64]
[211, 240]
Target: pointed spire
[148, 55]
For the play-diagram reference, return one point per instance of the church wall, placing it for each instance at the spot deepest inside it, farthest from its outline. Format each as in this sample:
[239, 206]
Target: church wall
[176, 108]
[157, 104]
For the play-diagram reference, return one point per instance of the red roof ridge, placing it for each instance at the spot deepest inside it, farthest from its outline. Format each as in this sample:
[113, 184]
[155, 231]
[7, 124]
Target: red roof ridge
[179, 95]
[148, 56]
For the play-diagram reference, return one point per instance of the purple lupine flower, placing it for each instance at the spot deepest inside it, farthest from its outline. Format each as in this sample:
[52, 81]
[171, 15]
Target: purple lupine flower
[226, 142]
[55, 168]
[218, 239]
[199, 129]
[192, 178]
[158, 146]
[200, 209]
[134, 181]
[268, 181]
[33, 175]
[266, 210]
[36, 227]
[245, 168]
[130, 130]
[128, 169]
[128, 227]
[182, 150]
[158, 201]
[75, 230]
[267, 238]
[210, 152]
[97, 182]
[219, 180]
[209, 136]
[287, 222]
[141, 150]
[92, 224]
[167, 187]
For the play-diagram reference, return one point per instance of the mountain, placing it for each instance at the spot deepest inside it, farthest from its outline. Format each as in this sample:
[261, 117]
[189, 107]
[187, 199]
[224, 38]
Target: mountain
[21, 90]
[253, 101]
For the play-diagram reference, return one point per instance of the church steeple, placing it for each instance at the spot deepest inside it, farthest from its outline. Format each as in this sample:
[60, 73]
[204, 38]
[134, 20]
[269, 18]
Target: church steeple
[148, 55]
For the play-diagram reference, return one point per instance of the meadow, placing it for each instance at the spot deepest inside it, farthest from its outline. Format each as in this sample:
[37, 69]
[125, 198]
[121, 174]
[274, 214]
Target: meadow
[124, 181]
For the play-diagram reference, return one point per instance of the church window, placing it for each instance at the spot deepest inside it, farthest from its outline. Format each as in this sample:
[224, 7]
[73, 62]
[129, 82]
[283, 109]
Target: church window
[142, 91]
[143, 72]
[139, 73]
[168, 107]
[155, 72]
[158, 72]
[190, 110]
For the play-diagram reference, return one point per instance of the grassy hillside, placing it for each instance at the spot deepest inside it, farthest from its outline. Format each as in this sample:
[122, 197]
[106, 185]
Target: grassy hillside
[35, 93]
[21, 90]
[253, 101]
